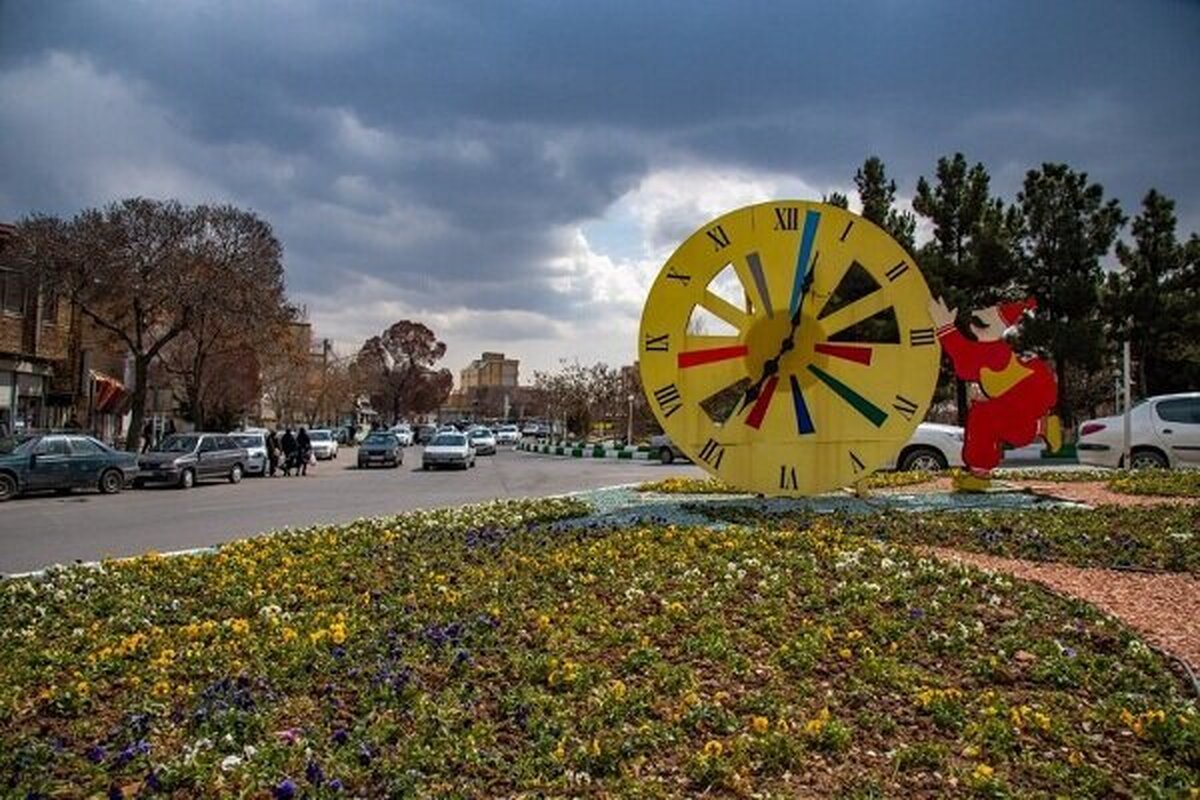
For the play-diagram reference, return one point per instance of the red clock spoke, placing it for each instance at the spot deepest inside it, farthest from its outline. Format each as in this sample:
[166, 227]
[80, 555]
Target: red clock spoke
[712, 355]
[755, 418]
[859, 355]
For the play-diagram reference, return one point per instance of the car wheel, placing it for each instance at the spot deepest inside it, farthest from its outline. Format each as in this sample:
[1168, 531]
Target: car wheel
[8, 487]
[187, 479]
[235, 474]
[112, 481]
[923, 459]
[1147, 459]
[666, 455]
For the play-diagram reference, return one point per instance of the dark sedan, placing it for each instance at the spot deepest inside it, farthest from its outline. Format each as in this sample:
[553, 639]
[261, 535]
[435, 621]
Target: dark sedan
[62, 462]
[380, 448]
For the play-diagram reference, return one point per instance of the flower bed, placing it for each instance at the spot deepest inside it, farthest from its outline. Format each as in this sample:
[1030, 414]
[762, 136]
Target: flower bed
[477, 653]
[1158, 538]
[1163, 483]
[879, 480]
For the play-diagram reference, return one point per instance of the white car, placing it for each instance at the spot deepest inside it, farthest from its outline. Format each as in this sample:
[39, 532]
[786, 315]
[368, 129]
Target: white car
[932, 447]
[404, 433]
[255, 444]
[483, 440]
[324, 446]
[507, 434]
[448, 450]
[1164, 432]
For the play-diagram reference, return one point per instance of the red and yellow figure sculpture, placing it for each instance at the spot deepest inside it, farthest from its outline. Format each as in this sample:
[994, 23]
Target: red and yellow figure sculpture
[1019, 391]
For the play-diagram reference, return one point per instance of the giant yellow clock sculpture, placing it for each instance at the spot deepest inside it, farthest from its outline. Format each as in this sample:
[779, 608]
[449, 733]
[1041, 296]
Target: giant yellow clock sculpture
[787, 347]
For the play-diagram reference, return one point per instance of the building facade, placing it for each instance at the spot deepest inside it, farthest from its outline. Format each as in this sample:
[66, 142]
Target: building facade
[489, 370]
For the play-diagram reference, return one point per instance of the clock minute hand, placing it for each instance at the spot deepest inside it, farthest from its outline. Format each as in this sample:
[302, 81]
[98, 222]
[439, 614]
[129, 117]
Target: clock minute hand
[771, 366]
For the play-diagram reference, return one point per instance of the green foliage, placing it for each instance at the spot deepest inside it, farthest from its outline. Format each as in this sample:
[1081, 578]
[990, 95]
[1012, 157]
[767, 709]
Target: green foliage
[878, 194]
[1164, 483]
[1066, 228]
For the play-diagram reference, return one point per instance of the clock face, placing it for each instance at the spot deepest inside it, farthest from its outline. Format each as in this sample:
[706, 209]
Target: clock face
[787, 347]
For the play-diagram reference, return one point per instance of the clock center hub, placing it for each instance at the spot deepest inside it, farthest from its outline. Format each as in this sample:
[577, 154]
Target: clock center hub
[767, 339]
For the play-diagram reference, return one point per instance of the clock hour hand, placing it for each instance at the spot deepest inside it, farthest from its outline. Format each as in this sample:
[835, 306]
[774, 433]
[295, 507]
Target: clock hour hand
[771, 366]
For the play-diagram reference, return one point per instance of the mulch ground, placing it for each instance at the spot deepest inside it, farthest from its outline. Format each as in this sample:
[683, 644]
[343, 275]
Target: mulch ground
[1092, 493]
[1163, 608]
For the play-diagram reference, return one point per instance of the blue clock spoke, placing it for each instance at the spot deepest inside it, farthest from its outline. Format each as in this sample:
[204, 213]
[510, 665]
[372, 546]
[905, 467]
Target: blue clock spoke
[803, 420]
[811, 220]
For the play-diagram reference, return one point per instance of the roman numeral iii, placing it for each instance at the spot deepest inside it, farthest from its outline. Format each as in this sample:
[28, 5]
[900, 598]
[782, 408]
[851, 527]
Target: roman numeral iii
[921, 337]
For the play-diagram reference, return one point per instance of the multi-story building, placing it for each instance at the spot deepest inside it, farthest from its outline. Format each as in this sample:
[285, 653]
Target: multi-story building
[489, 370]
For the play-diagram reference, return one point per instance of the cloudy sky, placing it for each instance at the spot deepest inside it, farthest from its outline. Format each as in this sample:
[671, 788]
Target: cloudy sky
[513, 174]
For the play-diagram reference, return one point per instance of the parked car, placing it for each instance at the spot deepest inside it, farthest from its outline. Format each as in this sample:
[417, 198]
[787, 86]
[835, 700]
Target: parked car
[380, 447]
[423, 434]
[665, 450]
[62, 462]
[508, 434]
[404, 433]
[256, 448]
[531, 429]
[483, 440]
[182, 459]
[932, 447]
[1164, 433]
[324, 446]
[448, 450]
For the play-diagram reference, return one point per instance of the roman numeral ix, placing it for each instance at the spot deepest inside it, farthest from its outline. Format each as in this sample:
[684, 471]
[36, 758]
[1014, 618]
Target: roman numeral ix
[658, 344]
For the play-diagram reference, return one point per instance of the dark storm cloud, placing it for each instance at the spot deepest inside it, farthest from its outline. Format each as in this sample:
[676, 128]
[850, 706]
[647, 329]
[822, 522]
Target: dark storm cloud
[441, 147]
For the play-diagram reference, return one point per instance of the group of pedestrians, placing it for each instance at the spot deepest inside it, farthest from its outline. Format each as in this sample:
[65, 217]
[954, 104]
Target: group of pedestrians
[289, 452]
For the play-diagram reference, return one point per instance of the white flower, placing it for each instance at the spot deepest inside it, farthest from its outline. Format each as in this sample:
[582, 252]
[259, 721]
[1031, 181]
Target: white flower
[230, 763]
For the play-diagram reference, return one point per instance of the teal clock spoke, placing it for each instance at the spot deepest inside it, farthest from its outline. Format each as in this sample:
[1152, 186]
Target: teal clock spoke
[811, 220]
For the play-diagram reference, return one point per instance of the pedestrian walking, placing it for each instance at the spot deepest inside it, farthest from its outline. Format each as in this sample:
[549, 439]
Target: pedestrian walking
[288, 444]
[304, 448]
[272, 453]
[147, 435]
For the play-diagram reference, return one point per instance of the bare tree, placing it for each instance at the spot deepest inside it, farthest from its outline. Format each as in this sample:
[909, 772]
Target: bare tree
[395, 368]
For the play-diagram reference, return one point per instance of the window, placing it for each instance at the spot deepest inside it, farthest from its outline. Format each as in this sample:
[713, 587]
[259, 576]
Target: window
[1182, 410]
[81, 446]
[209, 444]
[51, 446]
[49, 308]
[12, 291]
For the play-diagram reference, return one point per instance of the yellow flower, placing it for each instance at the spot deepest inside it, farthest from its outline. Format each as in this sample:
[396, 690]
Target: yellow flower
[543, 621]
[594, 747]
[854, 635]
[760, 725]
[82, 687]
[289, 634]
[618, 689]
[161, 689]
[560, 752]
[240, 626]
[1075, 758]
[337, 633]
[846, 653]
[713, 748]
[970, 751]
[983, 772]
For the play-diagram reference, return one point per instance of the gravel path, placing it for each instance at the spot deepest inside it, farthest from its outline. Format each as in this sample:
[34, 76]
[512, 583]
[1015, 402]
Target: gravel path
[1164, 608]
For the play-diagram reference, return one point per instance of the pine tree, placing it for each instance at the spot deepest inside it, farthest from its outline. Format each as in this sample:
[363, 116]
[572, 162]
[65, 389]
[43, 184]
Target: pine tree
[971, 260]
[878, 194]
[1067, 227]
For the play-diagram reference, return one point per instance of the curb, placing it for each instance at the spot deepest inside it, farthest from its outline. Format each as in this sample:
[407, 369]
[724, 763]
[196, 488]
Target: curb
[627, 454]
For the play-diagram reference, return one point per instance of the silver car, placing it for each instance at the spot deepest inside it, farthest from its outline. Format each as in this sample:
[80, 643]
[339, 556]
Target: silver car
[448, 450]
[324, 446]
[483, 440]
[255, 445]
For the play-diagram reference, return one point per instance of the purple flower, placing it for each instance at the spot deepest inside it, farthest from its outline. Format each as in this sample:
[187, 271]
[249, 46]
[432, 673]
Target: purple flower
[916, 613]
[314, 773]
[115, 792]
[142, 747]
[340, 736]
[1069, 652]
[95, 754]
[153, 783]
[336, 784]
[286, 790]
[338, 651]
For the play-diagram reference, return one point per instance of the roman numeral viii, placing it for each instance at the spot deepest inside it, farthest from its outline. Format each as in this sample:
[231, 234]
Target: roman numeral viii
[712, 453]
[719, 237]
[787, 477]
[905, 406]
[658, 344]
[668, 399]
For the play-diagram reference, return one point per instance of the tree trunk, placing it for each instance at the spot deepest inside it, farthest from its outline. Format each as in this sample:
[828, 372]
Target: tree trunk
[1066, 411]
[137, 417]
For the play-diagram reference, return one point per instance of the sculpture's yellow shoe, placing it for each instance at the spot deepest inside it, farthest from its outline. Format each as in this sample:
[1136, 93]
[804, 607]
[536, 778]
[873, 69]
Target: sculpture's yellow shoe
[968, 482]
[1051, 432]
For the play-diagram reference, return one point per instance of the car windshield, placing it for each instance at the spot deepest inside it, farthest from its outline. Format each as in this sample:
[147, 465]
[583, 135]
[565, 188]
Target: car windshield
[319, 436]
[449, 440]
[178, 444]
[248, 440]
[380, 439]
[480, 433]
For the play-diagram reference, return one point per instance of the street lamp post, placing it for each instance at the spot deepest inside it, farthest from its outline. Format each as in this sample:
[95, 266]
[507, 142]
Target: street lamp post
[629, 429]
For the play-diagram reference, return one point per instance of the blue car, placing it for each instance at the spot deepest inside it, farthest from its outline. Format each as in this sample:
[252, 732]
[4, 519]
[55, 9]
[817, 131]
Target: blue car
[62, 462]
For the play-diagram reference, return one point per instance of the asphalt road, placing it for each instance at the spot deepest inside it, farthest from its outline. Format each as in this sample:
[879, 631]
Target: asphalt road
[41, 530]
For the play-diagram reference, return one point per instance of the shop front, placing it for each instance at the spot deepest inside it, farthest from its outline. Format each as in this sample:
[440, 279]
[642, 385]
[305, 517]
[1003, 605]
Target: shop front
[22, 396]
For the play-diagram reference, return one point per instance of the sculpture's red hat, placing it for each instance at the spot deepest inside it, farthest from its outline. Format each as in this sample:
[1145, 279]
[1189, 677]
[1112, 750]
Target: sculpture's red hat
[1011, 313]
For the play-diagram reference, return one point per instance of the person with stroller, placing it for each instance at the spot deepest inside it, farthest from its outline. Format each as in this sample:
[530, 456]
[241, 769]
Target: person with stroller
[304, 451]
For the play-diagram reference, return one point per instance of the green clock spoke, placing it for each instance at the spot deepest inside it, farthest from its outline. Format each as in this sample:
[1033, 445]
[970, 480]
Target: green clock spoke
[873, 413]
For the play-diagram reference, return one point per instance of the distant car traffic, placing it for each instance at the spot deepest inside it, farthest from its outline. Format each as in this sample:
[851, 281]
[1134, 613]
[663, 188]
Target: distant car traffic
[404, 433]
[931, 447]
[324, 446]
[382, 448]
[448, 450]
[424, 433]
[182, 459]
[1164, 433]
[507, 434]
[256, 448]
[483, 440]
[63, 462]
